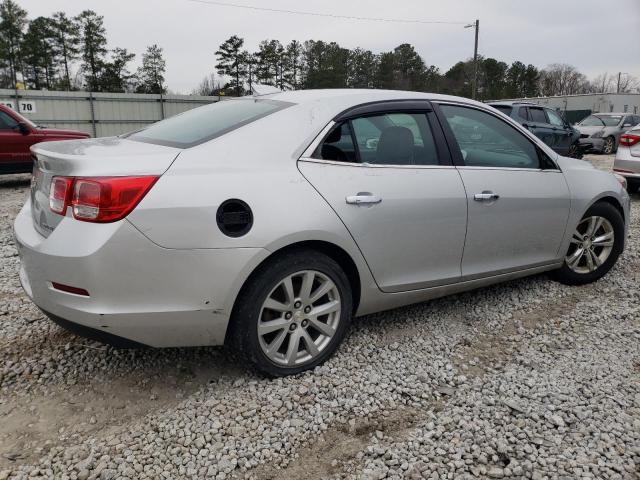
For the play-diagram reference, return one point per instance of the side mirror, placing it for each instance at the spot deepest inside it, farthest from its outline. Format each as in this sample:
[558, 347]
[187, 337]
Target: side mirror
[23, 128]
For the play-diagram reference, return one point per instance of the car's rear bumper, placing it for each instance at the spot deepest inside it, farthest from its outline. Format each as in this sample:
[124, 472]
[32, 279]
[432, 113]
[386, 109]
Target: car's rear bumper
[626, 164]
[138, 291]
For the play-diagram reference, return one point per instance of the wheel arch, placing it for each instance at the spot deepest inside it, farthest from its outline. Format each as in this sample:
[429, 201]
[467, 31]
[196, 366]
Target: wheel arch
[333, 251]
[613, 201]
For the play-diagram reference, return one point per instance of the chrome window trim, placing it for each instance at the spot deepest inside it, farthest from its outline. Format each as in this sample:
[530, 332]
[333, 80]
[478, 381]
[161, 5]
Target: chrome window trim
[371, 165]
[510, 169]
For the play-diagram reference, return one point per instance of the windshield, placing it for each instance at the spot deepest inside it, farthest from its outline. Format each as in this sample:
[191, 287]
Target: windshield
[610, 120]
[206, 123]
[591, 121]
[24, 119]
[599, 121]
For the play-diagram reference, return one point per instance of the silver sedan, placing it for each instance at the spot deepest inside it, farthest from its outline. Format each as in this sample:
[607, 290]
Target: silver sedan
[269, 222]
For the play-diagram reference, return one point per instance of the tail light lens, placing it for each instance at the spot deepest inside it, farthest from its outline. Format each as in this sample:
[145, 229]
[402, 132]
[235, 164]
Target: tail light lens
[60, 194]
[629, 139]
[100, 199]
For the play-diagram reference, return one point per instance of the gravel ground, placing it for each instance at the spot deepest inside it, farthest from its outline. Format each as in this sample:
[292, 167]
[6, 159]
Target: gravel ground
[528, 379]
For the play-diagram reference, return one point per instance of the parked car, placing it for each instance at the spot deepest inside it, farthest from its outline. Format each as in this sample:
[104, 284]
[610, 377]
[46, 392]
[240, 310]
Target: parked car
[267, 223]
[546, 124]
[603, 130]
[627, 162]
[18, 134]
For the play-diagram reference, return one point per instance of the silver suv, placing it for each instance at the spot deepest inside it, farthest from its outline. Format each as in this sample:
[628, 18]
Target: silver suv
[603, 130]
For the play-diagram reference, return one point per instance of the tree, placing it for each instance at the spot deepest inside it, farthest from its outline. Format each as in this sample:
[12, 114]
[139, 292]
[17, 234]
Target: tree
[326, 65]
[231, 62]
[293, 68]
[151, 73]
[13, 21]
[94, 46]
[39, 54]
[208, 86]
[409, 68]
[114, 75]
[270, 63]
[562, 79]
[363, 66]
[493, 78]
[65, 40]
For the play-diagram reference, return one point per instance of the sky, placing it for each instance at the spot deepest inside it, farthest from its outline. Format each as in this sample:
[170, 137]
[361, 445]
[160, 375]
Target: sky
[593, 35]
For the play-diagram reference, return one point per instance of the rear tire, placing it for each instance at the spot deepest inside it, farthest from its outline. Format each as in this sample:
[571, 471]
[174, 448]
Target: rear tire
[609, 146]
[596, 244]
[632, 186]
[273, 325]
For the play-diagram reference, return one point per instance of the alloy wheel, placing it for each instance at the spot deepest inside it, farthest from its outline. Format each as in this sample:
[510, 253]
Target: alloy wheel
[299, 318]
[591, 244]
[608, 145]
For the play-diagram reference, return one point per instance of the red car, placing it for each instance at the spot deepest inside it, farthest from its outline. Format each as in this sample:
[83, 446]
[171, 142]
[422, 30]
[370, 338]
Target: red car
[17, 134]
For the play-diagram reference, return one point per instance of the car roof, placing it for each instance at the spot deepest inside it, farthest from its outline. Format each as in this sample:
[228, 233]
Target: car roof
[511, 103]
[348, 97]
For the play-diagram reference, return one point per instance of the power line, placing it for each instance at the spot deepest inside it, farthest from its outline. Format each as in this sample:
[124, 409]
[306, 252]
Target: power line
[329, 15]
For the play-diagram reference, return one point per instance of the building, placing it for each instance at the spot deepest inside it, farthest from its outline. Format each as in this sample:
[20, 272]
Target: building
[576, 107]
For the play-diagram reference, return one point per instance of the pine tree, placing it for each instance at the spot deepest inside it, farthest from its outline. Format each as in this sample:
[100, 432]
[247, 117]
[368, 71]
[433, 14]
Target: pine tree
[94, 46]
[114, 76]
[151, 73]
[65, 40]
[292, 61]
[231, 62]
[39, 54]
[13, 21]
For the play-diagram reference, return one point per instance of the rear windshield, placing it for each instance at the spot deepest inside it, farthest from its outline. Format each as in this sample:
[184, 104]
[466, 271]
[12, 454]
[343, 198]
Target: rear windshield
[202, 124]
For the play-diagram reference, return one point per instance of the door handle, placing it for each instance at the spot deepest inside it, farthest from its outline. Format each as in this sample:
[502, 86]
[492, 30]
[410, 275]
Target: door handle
[486, 196]
[363, 198]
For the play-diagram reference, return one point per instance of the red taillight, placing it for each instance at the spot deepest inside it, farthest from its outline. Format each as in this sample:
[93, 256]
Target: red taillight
[60, 194]
[103, 199]
[629, 139]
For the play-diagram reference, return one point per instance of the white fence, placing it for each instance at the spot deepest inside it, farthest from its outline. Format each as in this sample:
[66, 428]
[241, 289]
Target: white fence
[100, 114]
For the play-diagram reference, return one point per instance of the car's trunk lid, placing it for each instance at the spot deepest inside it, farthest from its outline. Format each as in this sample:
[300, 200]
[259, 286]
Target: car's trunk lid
[101, 157]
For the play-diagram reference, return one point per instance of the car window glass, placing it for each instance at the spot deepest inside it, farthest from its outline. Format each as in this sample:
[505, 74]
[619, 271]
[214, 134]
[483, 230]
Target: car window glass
[611, 120]
[395, 139]
[486, 141]
[337, 145]
[554, 118]
[7, 122]
[506, 109]
[206, 123]
[537, 115]
[522, 112]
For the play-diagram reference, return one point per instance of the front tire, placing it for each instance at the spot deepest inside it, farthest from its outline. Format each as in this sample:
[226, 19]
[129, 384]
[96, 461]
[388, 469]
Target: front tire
[596, 244]
[293, 313]
[574, 151]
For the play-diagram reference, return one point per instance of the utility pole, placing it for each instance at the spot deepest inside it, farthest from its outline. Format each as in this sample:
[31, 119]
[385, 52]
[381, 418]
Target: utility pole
[618, 88]
[474, 90]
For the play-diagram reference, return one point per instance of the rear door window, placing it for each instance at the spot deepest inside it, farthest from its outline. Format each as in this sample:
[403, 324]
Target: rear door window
[202, 124]
[537, 115]
[384, 139]
[506, 109]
